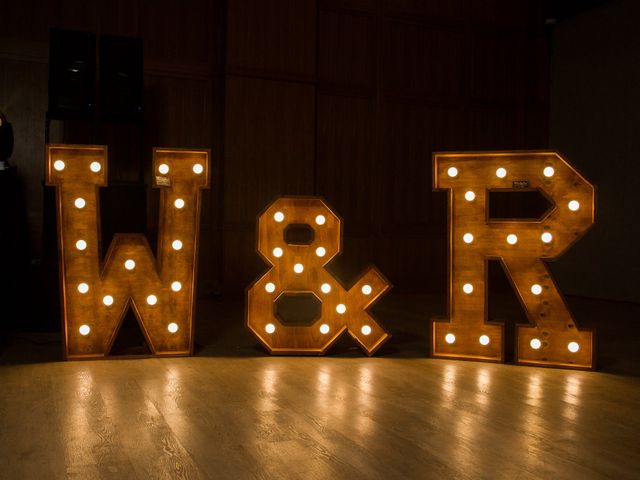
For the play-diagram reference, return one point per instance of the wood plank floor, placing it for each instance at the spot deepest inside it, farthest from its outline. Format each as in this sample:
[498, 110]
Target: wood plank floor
[233, 412]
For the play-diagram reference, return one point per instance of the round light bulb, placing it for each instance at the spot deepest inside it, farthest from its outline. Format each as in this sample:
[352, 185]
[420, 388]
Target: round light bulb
[467, 238]
[366, 289]
[535, 343]
[450, 338]
[501, 172]
[452, 172]
[270, 328]
[536, 289]
[574, 205]
[298, 268]
[172, 327]
[163, 168]
[467, 288]
[176, 244]
[366, 330]
[340, 308]
[548, 172]
[58, 165]
[176, 286]
[95, 167]
[324, 328]
[84, 329]
[152, 299]
[484, 340]
[512, 239]
[277, 252]
[129, 264]
[278, 216]
[179, 203]
[270, 287]
[83, 288]
[325, 287]
[79, 202]
[573, 347]
[81, 245]
[198, 169]
[107, 300]
[470, 196]
[320, 220]
[321, 252]
[546, 237]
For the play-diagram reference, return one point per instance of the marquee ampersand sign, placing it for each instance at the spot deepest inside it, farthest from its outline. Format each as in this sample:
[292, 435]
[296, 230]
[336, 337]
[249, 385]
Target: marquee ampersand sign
[96, 295]
[522, 246]
[299, 269]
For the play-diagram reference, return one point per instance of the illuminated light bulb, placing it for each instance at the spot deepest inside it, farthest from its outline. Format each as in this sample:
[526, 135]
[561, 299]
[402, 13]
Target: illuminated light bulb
[325, 287]
[107, 300]
[270, 328]
[152, 299]
[366, 289]
[176, 286]
[84, 329]
[83, 288]
[278, 216]
[366, 330]
[320, 220]
[176, 244]
[321, 252]
[324, 328]
[469, 196]
[574, 205]
[270, 287]
[573, 347]
[298, 268]
[467, 238]
[452, 172]
[467, 288]
[58, 165]
[546, 237]
[172, 327]
[501, 172]
[129, 264]
[548, 171]
[450, 338]
[163, 168]
[81, 244]
[198, 169]
[512, 239]
[277, 252]
[79, 202]
[95, 167]
[536, 289]
[340, 308]
[484, 340]
[535, 343]
[179, 203]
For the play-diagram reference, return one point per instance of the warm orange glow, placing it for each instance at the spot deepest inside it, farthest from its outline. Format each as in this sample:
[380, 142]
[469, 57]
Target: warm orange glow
[96, 294]
[522, 247]
[300, 269]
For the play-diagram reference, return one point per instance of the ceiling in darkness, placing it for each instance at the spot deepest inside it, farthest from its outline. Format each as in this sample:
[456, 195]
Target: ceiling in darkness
[558, 10]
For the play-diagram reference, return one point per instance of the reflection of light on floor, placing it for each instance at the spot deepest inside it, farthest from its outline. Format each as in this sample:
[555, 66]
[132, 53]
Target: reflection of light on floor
[366, 404]
[268, 393]
[483, 381]
[572, 398]
[449, 386]
[534, 390]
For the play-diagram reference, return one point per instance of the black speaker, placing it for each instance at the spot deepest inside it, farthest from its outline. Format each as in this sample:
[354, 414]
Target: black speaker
[121, 78]
[72, 74]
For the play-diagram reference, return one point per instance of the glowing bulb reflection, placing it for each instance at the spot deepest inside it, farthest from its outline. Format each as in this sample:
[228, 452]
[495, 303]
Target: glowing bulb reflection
[366, 289]
[546, 237]
[298, 268]
[277, 252]
[95, 167]
[366, 330]
[324, 328]
[535, 343]
[320, 220]
[58, 165]
[270, 287]
[81, 245]
[270, 328]
[467, 237]
[548, 171]
[512, 239]
[176, 286]
[107, 300]
[467, 288]
[452, 172]
[163, 168]
[129, 264]
[501, 172]
[176, 244]
[325, 287]
[320, 251]
[573, 347]
[79, 202]
[484, 340]
[469, 196]
[450, 338]
[84, 329]
[278, 216]
[179, 203]
[536, 289]
[172, 327]
[152, 299]
[198, 169]
[340, 308]
[574, 205]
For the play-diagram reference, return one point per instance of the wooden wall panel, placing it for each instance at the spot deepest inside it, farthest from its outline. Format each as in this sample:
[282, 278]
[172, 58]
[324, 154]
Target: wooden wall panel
[272, 38]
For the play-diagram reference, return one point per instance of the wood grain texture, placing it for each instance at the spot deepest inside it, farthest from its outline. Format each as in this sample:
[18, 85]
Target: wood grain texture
[97, 294]
[234, 413]
[552, 338]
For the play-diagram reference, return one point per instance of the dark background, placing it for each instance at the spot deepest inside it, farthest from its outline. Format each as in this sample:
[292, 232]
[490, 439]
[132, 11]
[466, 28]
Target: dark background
[347, 100]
